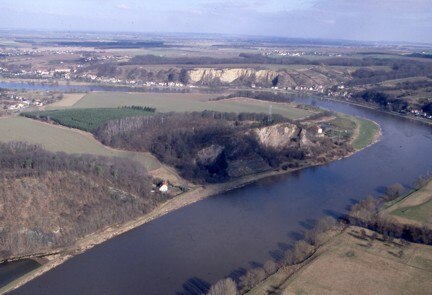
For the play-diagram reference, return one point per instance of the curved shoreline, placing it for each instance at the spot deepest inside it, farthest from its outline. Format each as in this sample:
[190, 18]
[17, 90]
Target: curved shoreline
[197, 193]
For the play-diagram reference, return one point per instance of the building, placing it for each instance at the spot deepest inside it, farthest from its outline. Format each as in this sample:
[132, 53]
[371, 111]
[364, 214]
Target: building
[164, 187]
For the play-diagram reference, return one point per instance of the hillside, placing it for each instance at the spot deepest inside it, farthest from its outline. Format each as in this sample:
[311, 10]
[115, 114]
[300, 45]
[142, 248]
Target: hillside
[53, 199]
[216, 147]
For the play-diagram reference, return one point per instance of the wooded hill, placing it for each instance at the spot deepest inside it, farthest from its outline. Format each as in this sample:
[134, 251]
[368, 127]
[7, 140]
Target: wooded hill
[215, 147]
[49, 200]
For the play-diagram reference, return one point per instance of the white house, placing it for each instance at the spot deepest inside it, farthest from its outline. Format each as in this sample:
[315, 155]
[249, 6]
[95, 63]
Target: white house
[164, 187]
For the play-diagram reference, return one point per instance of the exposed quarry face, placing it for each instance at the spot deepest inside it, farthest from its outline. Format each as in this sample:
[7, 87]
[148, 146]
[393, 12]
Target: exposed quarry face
[277, 136]
[228, 76]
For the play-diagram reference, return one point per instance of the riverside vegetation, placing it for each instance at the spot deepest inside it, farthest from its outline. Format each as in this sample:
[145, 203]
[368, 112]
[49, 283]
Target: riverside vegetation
[366, 229]
[205, 147]
[83, 194]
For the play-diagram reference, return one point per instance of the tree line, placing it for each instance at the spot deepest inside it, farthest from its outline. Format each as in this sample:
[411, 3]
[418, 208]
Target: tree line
[364, 214]
[261, 95]
[291, 260]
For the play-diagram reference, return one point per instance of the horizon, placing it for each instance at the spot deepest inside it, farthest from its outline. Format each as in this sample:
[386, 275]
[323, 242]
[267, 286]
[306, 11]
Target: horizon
[386, 21]
[205, 34]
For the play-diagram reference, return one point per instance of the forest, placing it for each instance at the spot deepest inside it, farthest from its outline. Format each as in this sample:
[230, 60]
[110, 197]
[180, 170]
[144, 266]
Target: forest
[89, 119]
[53, 199]
[214, 147]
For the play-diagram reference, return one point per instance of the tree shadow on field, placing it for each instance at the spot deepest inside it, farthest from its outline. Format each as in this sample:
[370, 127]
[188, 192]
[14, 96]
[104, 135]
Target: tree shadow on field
[194, 286]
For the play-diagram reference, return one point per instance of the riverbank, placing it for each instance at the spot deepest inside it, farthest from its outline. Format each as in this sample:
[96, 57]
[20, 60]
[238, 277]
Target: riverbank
[196, 194]
[375, 108]
[356, 256]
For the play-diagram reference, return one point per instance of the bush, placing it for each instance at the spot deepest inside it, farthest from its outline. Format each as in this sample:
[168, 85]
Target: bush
[394, 191]
[252, 278]
[223, 287]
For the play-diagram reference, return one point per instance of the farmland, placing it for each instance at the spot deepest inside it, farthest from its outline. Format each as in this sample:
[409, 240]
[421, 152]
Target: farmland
[416, 208]
[88, 119]
[349, 264]
[56, 138]
[69, 99]
[188, 102]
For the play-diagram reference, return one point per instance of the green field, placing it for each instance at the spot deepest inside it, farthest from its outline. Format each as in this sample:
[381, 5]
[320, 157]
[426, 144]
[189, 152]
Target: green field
[169, 102]
[367, 133]
[415, 208]
[87, 119]
[57, 138]
[421, 213]
[348, 264]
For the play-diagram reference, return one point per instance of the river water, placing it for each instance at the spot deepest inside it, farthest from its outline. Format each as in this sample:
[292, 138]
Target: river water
[186, 250]
[87, 88]
[10, 271]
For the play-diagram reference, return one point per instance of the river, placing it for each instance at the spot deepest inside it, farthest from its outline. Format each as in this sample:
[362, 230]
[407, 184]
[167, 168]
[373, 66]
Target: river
[10, 271]
[223, 235]
[23, 86]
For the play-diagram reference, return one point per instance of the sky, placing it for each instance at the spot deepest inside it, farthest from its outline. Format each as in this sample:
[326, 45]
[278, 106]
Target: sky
[365, 20]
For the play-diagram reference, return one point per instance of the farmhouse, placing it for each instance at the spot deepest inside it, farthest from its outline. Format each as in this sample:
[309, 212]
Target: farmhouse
[164, 187]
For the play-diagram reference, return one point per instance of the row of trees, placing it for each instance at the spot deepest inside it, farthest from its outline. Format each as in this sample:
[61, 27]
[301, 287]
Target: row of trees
[293, 257]
[261, 95]
[367, 214]
[364, 214]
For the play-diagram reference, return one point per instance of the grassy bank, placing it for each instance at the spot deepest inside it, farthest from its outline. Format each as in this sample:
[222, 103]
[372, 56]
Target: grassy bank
[367, 133]
[415, 208]
[356, 263]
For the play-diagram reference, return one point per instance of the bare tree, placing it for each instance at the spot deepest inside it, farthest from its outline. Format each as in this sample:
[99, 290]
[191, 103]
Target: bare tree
[252, 278]
[270, 267]
[223, 287]
[394, 191]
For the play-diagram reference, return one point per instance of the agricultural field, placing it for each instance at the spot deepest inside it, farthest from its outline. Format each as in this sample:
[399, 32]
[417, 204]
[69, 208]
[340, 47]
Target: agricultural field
[416, 208]
[353, 264]
[188, 103]
[68, 100]
[62, 139]
[89, 119]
